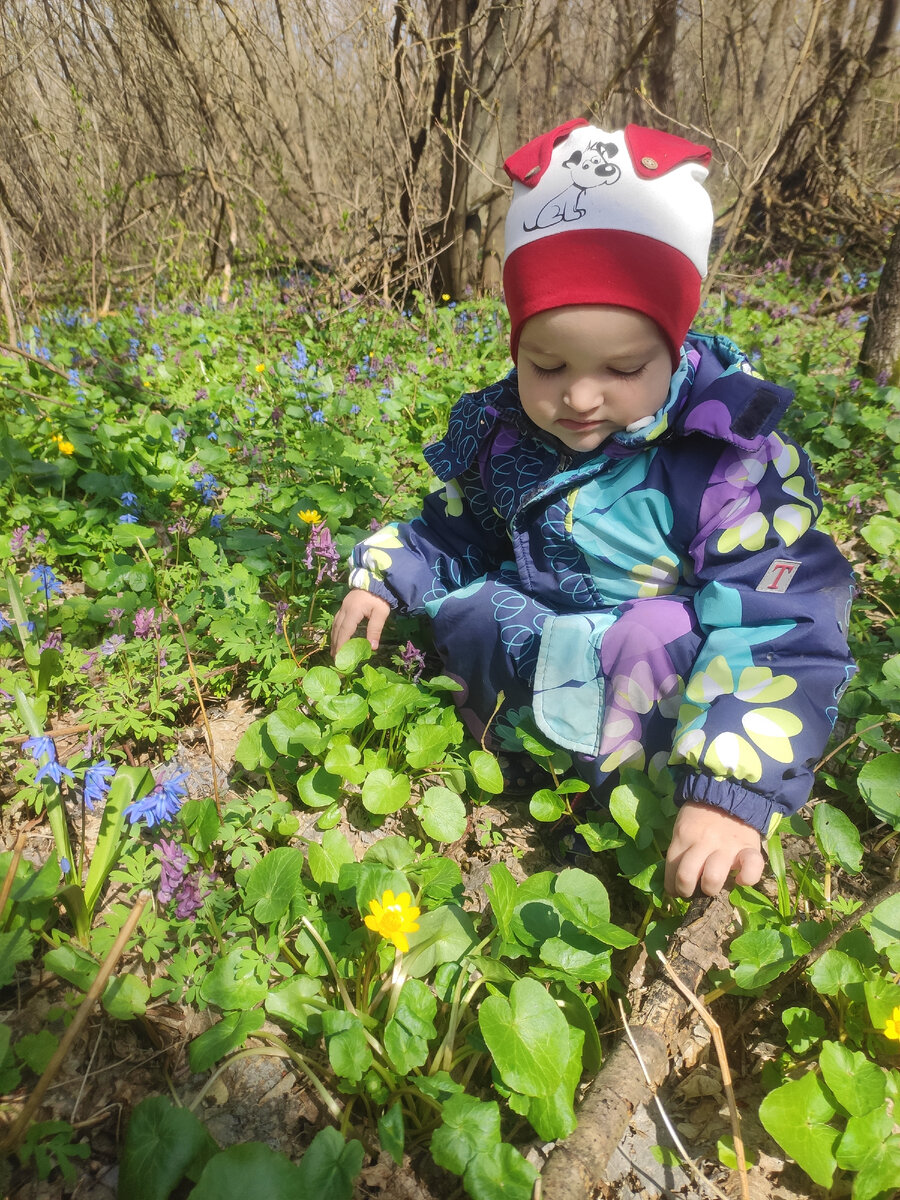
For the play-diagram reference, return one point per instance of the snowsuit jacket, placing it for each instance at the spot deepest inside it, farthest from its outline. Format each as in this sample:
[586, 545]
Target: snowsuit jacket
[664, 601]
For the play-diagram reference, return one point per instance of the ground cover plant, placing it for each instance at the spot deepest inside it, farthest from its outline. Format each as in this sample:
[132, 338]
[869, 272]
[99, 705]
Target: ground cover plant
[180, 487]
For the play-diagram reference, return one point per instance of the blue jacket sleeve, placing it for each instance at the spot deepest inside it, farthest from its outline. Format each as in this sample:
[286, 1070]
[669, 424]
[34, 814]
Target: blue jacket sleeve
[772, 602]
[456, 539]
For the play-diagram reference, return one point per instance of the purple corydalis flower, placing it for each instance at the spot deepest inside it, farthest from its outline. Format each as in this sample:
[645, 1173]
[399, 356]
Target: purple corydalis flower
[96, 782]
[413, 661]
[164, 801]
[112, 644]
[281, 611]
[173, 867]
[145, 622]
[53, 642]
[114, 616]
[321, 546]
[180, 528]
[17, 538]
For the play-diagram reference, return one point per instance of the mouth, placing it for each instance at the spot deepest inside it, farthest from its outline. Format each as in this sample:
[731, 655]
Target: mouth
[579, 426]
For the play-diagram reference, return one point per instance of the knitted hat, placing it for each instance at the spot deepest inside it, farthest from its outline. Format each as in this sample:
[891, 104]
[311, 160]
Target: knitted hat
[608, 218]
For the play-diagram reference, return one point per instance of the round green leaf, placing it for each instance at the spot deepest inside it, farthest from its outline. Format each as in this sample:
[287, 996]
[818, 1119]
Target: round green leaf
[797, 1115]
[126, 996]
[527, 1036]
[351, 654]
[226, 1035]
[330, 1166]
[443, 814]
[250, 1169]
[273, 883]
[487, 772]
[161, 1145]
[320, 682]
[318, 789]
[326, 860]
[469, 1126]
[545, 805]
[234, 982]
[879, 785]
[498, 1172]
[856, 1083]
[384, 792]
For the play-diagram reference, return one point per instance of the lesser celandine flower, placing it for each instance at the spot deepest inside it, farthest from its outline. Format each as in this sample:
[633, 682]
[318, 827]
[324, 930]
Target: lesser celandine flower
[311, 516]
[892, 1026]
[394, 917]
[260, 367]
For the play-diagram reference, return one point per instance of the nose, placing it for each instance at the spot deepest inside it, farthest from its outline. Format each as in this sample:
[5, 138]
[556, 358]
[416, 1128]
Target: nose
[584, 395]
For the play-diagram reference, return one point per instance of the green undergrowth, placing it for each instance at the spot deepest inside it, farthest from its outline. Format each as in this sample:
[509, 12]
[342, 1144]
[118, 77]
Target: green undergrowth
[180, 487]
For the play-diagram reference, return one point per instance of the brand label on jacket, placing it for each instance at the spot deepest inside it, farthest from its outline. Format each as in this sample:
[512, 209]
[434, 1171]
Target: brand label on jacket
[778, 576]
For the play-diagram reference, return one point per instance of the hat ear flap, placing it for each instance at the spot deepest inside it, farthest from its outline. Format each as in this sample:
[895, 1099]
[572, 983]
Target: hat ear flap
[529, 163]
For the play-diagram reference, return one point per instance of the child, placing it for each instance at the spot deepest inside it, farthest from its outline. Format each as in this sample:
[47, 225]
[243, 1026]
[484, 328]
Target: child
[624, 545]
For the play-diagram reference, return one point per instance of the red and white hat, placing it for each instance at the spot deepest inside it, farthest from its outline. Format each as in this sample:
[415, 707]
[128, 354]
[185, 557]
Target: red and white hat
[608, 218]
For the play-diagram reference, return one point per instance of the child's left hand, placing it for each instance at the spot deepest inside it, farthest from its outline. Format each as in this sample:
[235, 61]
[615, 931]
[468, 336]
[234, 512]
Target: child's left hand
[707, 846]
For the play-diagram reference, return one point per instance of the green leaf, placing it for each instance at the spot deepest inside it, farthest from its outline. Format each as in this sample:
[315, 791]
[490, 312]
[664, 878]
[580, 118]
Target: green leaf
[128, 784]
[883, 535]
[500, 1171]
[250, 1169]
[274, 883]
[163, 1144]
[863, 1136]
[254, 751]
[578, 954]
[298, 1002]
[546, 805]
[287, 729]
[345, 760]
[234, 982]
[126, 996]
[73, 965]
[345, 712]
[320, 682]
[345, 1040]
[391, 1132]
[797, 1115]
[553, 1116]
[855, 1083]
[226, 1035]
[326, 860]
[426, 744]
[329, 1167]
[318, 789]
[408, 1032]
[804, 1028]
[486, 771]
[587, 898]
[838, 837]
[834, 972]
[468, 1127]
[879, 786]
[763, 955]
[384, 792]
[527, 1036]
[878, 1176]
[351, 654]
[443, 814]
[36, 1050]
[883, 923]
[445, 934]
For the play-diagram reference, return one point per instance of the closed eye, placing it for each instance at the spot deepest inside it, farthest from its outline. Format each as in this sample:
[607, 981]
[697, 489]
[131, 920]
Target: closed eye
[545, 372]
[635, 374]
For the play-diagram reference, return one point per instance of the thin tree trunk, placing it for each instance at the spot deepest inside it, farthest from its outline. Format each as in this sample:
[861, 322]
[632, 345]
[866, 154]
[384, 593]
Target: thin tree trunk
[880, 354]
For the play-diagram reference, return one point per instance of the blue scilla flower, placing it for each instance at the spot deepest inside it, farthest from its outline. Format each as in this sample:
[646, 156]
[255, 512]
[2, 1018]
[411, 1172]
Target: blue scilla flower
[37, 747]
[212, 437]
[40, 747]
[163, 803]
[74, 379]
[206, 485]
[44, 575]
[64, 865]
[179, 433]
[158, 352]
[301, 359]
[129, 500]
[96, 782]
[128, 519]
[134, 346]
[4, 624]
[863, 280]
[354, 409]
[215, 521]
[318, 416]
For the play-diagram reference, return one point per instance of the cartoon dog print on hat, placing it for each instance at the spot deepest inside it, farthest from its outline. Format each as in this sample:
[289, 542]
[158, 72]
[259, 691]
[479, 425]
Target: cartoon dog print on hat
[589, 168]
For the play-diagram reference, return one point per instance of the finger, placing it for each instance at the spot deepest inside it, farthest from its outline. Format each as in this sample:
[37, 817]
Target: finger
[685, 873]
[715, 873]
[375, 627]
[750, 866]
[341, 630]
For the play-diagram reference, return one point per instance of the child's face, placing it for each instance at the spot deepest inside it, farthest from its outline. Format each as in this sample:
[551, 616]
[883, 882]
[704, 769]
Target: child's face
[589, 370]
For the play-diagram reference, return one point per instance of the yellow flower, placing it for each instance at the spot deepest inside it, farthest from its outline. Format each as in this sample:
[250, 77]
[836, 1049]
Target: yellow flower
[147, 383]
[445, 295]
[311, 516]
[394, 918]
[891, 1026]
[439, 349]
[65, 447]
[260, 367]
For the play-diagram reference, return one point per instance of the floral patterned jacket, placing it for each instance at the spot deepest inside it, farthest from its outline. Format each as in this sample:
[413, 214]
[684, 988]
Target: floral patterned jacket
[708, 505]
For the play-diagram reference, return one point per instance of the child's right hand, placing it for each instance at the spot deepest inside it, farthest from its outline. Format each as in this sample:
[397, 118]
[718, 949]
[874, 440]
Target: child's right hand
[359, 606]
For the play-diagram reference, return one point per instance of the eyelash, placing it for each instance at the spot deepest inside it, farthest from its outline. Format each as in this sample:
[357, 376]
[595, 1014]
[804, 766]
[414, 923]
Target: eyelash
[548, 372]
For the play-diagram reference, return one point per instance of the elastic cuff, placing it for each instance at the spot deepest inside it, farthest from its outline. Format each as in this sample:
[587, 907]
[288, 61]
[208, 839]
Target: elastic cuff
[752, 808]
